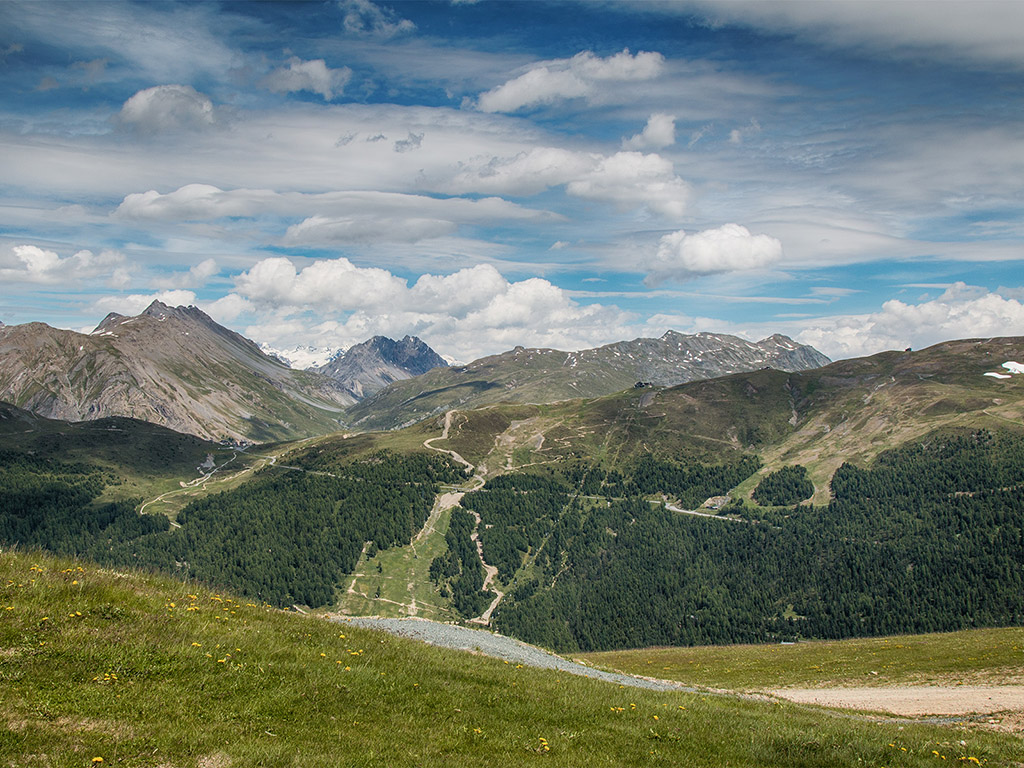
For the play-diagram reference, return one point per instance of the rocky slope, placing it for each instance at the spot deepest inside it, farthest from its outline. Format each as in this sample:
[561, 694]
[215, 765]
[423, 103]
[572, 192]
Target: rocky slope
[170, 366]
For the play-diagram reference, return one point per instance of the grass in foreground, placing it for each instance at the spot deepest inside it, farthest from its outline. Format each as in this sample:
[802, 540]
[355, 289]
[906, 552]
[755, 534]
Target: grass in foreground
[143, 671]
[976, 656]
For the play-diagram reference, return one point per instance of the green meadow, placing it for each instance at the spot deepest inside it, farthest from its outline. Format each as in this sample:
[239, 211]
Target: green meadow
[122, 668]
[976, 656]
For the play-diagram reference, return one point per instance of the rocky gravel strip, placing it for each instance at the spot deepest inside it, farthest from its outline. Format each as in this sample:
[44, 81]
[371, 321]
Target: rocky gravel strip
[501, 647]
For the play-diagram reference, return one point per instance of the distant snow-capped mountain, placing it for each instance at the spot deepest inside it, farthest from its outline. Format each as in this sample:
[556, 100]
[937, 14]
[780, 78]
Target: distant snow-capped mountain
[305, 356]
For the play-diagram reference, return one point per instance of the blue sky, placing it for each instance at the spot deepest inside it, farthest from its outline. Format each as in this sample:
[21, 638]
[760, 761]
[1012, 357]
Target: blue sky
[487, 174]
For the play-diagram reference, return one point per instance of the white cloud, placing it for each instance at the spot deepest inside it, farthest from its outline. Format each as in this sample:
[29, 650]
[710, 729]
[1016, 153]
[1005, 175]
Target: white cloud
[458, 293]
[136, 303]
[157, 42]
[313, 76]
[468, 313]
[167, 107]
[629, 178]
[364, 18]
[961, 312]
[728, 248]
[583, 75]
[31, 264]
[276, 282]
[660, 132]
[227, 308]
[192, 202]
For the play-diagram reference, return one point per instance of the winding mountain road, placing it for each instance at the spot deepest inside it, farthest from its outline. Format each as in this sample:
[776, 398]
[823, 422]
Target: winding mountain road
[452, 500]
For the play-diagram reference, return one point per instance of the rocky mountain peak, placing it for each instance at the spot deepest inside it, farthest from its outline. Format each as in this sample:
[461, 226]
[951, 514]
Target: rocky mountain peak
[368, 367]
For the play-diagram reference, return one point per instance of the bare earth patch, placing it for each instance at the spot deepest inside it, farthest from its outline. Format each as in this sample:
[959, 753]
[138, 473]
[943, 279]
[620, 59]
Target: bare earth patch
[917, 700]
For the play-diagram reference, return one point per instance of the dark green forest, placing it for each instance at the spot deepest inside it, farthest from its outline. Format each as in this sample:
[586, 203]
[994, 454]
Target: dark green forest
[285, 537]
[458, 573]
[931, 538]
[52, 504]
[517, 513]
[789, 485]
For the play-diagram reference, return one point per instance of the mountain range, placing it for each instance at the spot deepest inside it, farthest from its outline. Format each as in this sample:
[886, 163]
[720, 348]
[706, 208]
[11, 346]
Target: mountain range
[547, 375]
[177, 367]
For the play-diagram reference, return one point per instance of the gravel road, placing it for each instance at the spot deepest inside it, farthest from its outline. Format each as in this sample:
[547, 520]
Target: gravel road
[501, 647]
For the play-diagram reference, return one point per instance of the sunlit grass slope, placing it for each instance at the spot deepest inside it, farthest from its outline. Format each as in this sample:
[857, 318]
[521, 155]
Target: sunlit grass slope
[976, 656]
[144, 671]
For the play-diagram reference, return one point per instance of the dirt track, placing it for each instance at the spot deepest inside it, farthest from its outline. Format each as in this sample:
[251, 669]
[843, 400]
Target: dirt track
[916, 700]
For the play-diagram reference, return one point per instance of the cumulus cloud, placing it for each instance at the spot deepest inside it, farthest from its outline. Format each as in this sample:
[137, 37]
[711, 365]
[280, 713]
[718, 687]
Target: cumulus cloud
[729, 248]
[459, 293]
[961, 312]
[313, 76]
[338, 282]
[167, 107]
[31, 264]
[227, 308]
[660, 132]
[468, 313]
[364, 18]
[582, 76]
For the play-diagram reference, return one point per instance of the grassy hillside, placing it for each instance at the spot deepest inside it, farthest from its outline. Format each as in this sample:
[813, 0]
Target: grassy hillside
[135, 670]
[851, 410]
[976, 656]
[146, 459]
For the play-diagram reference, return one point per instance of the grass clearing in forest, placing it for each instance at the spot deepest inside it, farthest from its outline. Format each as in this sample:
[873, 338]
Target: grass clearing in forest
[396, 582]
[141, 670]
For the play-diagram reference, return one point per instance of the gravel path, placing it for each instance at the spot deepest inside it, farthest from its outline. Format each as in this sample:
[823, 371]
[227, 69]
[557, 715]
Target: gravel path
[501, 647]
